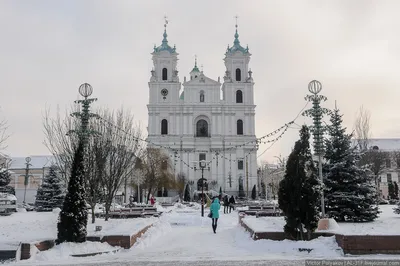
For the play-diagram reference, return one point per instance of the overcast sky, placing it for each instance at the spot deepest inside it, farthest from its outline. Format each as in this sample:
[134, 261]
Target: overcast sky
[49, 48]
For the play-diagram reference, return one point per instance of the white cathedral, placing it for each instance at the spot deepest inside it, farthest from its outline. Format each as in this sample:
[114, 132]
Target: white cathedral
[197, 122]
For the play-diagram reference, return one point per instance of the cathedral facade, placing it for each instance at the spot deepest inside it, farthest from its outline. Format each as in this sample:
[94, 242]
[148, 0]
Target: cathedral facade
[204, 119]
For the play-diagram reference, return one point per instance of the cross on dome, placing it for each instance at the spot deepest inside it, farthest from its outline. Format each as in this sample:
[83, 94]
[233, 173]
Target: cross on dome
[164, 45]
[236, 43]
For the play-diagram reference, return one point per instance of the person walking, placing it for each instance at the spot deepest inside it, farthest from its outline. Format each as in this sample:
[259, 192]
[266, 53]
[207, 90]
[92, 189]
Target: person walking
[226, 204]
[214, 209]
[231, 203]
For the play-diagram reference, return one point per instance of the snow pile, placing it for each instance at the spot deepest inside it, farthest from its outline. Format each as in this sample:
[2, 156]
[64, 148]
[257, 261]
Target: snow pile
[56, 210]
[7, 196]
[159, 207]
[65, 250]
[28, 227]
[386, 224]
[37, 226]
[158, 230]
[119, 226]
[195, 206]
[265, 224]
[333, 225]
[21, 210]
[322, 247]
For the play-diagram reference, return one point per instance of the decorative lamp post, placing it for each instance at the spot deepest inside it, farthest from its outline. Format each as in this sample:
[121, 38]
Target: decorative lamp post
[85, 90]
[202, 165]
[316, 112]
[27, 160]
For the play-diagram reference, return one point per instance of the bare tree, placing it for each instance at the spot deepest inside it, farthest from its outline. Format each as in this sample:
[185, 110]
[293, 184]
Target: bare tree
[396, 157]
[59, 142]
[272, 175]
[180, 183]
[362, 128]
[375, 160]
[157, 170]
[138, 177]
[3, 134]
[94, 175]
[110, 153]
[119, 137]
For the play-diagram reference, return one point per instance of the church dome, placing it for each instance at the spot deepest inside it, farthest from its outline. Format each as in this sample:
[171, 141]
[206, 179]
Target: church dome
[236, 45]
[164, 45]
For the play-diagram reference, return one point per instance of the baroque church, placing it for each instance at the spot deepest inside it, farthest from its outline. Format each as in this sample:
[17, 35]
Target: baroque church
[204, 119]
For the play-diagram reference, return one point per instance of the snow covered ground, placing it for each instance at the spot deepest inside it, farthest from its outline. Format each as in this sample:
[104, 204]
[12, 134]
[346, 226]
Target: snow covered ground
[387, 224]
[181, 234]
[36, 226]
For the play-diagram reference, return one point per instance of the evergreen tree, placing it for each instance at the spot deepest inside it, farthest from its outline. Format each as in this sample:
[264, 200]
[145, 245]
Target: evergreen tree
[220, 190]
[187, 193]
[300, 191]
[73, 217]
[350, 192]
[391, 191]
[396, 191]
[254, 193]
[50, 195]
[5, 177]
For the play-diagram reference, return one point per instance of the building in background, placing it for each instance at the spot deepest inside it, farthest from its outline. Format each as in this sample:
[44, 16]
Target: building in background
[203, 119]
[37, 170]
[391, 166]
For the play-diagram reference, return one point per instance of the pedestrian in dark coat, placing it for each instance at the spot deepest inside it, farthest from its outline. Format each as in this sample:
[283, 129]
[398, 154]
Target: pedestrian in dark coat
[226, 204]
[231, 204]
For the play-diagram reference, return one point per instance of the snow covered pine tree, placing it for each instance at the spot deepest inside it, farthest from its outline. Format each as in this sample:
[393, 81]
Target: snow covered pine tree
[5, 179]
[350, 192]
[50, 195]
[300, 191]
[187, 194]
[74, 216]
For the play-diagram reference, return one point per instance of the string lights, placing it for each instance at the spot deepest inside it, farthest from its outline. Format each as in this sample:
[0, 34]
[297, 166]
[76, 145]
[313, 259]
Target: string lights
[254, 144]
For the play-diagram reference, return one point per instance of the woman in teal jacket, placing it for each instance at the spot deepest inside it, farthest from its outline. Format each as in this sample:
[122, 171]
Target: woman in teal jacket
[214, 209]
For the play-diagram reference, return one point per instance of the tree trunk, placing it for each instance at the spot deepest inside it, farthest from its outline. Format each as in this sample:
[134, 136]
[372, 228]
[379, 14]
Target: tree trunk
[301, 231]
[148, 195]
[108, 206]
[378, 189]
[93, 215]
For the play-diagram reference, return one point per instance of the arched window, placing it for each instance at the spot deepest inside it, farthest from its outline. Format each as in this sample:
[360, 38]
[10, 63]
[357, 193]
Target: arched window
[238, 74]
[164, 127]
[202, 96]
[164, 74]
[239, 96]
[239, 127]
[202, 128]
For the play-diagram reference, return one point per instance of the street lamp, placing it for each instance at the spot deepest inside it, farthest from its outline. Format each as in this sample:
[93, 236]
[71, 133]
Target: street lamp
[316, 112]
[202, 165]
[27, 160]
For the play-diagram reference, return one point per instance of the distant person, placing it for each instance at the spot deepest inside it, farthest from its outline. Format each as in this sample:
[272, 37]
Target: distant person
[226, 204]
[231, 204]
[214, 209]
[152, 200]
